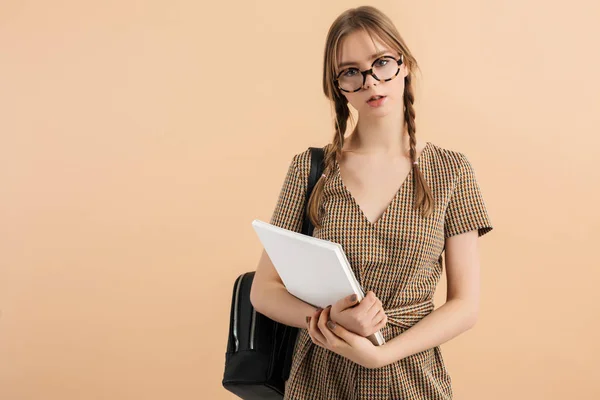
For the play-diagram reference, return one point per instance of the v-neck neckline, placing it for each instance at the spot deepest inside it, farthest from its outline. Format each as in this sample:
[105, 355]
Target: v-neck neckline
[407, 178]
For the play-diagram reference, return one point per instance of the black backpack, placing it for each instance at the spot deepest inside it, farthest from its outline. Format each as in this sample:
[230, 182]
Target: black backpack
[259, 350]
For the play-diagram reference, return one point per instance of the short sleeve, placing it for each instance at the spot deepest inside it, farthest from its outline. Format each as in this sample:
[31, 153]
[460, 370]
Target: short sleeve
[289, 210]
[466, 210]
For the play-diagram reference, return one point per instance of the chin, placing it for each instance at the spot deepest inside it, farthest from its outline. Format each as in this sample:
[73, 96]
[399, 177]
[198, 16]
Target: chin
[377, 112]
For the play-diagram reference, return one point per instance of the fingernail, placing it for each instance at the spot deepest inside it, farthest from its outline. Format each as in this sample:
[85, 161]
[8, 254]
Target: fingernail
[331, 324]
[328, 306]
[353, 298]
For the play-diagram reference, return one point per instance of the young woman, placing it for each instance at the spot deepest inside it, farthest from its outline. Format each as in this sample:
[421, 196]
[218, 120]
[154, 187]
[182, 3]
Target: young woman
[395, 204]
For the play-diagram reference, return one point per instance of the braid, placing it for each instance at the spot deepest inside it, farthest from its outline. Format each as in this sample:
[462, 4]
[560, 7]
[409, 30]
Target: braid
[332, 152]
[423, 197]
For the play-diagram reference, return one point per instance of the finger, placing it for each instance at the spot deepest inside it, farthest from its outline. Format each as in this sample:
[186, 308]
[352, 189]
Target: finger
[340, 336]
[308, 329]
[311, 317]
[367, 302]
[379, 316]
[374, 310]
[325, 324]
[314, 340]
[372, 313]
[381, 324]
[381, 319]
[317, 337]
[323, 318]
[376, 304]
[346, 302]
[316, 314]
[314, 330]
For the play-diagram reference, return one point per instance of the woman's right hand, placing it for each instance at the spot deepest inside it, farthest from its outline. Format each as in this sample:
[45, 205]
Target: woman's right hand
[364, 318]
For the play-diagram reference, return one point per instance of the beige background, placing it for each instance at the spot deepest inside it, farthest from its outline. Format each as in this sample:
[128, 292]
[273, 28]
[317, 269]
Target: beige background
[138, 140]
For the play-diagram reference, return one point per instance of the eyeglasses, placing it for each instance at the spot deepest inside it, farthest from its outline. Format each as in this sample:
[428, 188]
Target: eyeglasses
[383, 69]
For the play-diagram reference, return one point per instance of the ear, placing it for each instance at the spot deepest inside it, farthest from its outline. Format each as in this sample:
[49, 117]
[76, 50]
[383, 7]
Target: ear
[404, 71]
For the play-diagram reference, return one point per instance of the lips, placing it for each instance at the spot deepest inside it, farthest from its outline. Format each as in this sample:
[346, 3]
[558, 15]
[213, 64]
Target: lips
[375, 98]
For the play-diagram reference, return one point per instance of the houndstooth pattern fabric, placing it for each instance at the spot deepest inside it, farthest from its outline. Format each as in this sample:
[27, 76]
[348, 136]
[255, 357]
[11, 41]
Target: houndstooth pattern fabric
[399, 258]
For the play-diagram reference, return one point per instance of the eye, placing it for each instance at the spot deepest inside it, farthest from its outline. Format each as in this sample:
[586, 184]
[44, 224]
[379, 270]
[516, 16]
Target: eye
[350, 72]
[381, 62]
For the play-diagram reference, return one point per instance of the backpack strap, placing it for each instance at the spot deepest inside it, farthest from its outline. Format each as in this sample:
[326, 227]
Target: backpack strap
[316, 169]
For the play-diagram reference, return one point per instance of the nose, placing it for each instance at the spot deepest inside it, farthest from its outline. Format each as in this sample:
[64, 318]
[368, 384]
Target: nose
[369, 81]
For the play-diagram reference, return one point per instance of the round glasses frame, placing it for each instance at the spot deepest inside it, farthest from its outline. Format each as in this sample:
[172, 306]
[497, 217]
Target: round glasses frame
[369, 72]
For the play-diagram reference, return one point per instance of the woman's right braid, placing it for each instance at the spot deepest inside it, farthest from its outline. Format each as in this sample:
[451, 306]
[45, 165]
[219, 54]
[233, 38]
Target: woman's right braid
[332, 152]
[342, 112]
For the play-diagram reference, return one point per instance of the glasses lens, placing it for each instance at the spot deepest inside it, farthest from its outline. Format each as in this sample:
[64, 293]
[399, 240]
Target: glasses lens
[385, 68]
[350, 80]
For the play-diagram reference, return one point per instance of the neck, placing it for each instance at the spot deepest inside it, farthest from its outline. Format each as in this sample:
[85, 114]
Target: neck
[382, 135]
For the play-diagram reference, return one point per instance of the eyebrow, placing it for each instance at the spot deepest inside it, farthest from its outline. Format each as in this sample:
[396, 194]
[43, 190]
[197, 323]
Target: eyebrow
[347, 63]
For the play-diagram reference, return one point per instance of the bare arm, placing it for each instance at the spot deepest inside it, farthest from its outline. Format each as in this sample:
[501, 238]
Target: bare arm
[270, 297]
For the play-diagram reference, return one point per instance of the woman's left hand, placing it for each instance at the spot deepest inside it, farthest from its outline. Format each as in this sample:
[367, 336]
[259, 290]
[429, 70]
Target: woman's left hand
[334, 337]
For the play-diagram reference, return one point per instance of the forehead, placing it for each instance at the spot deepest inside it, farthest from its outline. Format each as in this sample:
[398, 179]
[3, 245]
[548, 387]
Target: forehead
[359, 47]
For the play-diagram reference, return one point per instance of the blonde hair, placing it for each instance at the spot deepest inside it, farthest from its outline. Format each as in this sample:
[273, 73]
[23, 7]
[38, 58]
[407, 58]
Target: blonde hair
[374, 22]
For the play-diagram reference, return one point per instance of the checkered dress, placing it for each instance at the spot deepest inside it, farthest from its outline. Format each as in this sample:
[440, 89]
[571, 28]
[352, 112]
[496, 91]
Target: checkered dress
[399, 258]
